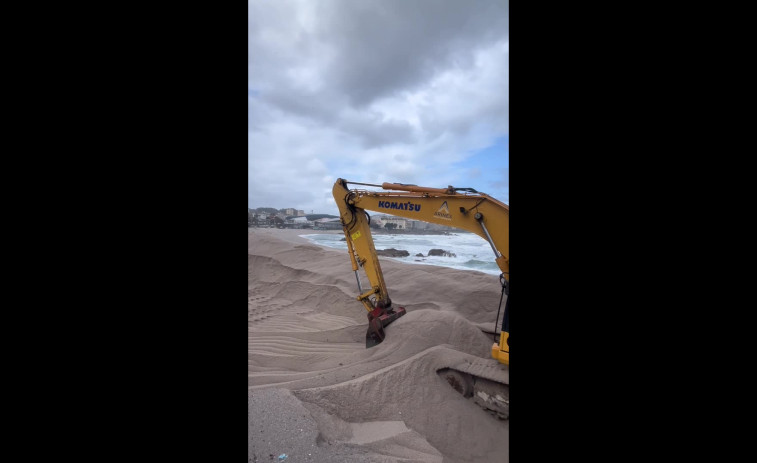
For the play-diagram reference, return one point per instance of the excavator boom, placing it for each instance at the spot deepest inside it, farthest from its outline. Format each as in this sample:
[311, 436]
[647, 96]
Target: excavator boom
[462, 208]
[475, 212]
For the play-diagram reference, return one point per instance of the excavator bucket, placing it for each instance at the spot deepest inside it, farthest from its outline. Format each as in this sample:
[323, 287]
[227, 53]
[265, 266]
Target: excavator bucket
[375, 334]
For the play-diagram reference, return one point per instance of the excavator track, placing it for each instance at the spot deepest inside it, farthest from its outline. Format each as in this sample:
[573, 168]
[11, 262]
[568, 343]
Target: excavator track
[485, 382]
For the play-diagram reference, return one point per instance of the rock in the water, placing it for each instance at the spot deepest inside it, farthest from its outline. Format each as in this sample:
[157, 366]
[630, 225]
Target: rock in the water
[441, 252]
[391, 252]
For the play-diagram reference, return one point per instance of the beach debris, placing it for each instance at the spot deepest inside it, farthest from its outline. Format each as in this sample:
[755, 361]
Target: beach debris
[282, 457]
[441, 252]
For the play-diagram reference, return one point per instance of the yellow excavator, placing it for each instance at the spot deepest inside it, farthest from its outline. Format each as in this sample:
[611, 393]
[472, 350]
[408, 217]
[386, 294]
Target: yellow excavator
[463, 208]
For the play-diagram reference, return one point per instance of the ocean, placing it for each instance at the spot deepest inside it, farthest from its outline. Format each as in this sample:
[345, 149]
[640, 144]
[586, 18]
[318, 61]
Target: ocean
[472, 252]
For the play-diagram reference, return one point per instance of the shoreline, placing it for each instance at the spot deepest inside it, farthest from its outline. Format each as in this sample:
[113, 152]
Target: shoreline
[374, 231]
[294, 236]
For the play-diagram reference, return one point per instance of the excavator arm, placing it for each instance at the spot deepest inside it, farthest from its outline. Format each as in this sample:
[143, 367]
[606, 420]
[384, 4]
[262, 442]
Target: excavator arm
[462, 208]
[357, 232]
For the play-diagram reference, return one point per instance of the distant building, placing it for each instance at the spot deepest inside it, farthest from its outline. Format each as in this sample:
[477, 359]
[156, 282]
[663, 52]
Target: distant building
[298, 222]
[400, 224]
[328, 224]
[290, 211]
[300, 213]
[409, 224]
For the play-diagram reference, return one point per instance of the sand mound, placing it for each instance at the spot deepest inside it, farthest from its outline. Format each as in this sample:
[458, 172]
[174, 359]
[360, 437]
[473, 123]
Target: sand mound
[412, 392]
[392, 440]
[307, 335]
[421, 329]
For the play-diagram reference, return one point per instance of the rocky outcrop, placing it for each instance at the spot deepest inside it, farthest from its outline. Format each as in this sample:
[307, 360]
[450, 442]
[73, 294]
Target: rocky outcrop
[391, 252]
[441, 252]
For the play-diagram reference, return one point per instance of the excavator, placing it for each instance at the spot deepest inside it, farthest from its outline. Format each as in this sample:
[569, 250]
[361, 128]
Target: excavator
[463, 208]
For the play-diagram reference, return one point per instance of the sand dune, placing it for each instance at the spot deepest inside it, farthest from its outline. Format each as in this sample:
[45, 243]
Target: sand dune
[306, 339]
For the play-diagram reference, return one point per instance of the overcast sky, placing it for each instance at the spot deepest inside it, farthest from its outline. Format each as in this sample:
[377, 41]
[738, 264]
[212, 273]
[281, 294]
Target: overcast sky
[404, 91]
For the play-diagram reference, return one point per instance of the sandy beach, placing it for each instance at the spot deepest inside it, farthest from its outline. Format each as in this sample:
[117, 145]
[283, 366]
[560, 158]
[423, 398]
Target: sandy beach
[315, 393]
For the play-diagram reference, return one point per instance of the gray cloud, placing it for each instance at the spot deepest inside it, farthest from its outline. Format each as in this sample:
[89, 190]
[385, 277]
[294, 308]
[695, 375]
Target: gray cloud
[376, 90]
[385, 46]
